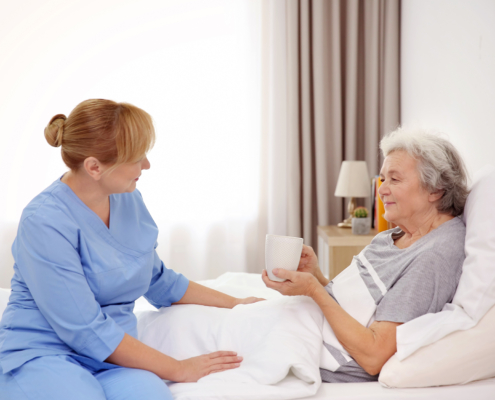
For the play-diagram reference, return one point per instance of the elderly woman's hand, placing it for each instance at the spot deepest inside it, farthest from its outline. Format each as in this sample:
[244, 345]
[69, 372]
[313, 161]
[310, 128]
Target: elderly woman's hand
[297, 283]
[309, 263]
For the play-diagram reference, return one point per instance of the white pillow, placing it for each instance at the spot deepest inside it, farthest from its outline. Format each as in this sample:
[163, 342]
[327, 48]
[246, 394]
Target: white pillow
[476, 290]
[475, 295]
[461, 357]
[4, 299]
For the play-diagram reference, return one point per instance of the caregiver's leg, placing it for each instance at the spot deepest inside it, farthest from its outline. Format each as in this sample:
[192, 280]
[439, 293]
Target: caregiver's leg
[50, 378]
[132, 384]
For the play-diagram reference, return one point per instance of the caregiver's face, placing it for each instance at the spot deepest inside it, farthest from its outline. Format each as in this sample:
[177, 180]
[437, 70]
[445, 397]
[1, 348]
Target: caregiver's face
[401, 190]
[124, 178]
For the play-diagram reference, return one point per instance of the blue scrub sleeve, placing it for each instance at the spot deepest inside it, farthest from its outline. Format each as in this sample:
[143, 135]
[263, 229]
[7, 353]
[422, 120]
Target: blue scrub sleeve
[48, 260]
[167, 286]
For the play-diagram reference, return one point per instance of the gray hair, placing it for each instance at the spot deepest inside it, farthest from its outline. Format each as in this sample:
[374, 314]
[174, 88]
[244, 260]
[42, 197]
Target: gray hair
[440, 165]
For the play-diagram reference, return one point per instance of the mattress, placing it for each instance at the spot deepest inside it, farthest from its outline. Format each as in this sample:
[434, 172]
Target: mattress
[481, 390]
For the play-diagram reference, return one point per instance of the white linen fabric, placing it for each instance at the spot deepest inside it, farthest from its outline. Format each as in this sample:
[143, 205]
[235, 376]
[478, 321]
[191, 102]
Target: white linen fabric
[475, 294]
[461, 357]
[194, 330]
[480, 390]
[280, 340]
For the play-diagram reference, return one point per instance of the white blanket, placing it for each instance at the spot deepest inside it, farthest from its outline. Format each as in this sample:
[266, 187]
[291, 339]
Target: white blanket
[280, 340]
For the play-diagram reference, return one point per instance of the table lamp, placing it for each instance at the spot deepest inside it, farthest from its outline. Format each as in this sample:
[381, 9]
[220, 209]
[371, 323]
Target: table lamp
[354, 181]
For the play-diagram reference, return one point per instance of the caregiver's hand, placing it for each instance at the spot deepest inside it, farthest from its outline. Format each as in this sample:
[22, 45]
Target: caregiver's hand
[247, 300]
[297, 283]
[192, 369]
[309, 263]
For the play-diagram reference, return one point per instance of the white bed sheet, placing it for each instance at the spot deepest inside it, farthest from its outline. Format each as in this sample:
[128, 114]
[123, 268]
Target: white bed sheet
[481, 390]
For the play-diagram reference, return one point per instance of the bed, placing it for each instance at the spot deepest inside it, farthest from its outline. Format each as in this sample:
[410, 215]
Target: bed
[280, 344]
[480, 390]
[240, 284]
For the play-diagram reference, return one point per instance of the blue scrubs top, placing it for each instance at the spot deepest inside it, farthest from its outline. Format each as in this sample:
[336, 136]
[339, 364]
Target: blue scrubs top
[76, 280]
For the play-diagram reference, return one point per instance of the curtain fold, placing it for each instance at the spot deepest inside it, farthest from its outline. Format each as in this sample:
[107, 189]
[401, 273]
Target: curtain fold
[331, 90]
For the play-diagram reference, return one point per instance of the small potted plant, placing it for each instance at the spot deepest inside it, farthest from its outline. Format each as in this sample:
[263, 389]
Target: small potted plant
[361, 223]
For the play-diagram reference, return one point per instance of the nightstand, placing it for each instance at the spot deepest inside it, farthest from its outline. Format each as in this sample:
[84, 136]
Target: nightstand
[337, 246]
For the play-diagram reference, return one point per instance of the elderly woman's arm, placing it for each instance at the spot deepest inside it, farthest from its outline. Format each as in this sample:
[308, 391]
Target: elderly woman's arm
[370, 347]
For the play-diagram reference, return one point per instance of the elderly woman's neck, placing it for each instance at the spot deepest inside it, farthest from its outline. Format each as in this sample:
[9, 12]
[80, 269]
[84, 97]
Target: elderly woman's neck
[419, 226]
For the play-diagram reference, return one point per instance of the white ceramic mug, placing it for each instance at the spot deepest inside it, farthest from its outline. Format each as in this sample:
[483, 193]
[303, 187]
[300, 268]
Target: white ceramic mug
[282, 252]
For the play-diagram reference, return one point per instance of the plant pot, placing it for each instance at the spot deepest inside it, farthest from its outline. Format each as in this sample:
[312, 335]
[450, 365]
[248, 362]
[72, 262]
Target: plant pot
[361, 226]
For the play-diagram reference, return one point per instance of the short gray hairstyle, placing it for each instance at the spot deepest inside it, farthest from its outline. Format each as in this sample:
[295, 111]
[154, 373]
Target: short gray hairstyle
[440, 165]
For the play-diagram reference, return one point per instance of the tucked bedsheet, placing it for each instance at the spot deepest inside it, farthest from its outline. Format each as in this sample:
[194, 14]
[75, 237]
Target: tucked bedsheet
[281, 360]
[482, 390]
[280, 340]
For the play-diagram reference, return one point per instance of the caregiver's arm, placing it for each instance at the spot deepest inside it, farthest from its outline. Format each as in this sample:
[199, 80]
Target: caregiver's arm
[132, 353]
[168, 287]
[199, 294]
[370, 347]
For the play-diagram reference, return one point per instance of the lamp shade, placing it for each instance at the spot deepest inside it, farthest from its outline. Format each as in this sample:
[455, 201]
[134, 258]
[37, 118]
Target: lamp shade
[354, 180]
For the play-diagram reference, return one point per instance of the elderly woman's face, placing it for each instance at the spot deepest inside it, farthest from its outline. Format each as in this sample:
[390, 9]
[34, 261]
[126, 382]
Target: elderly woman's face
[401, 191]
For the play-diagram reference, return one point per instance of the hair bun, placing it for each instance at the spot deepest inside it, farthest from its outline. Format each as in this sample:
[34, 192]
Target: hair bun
[55, 129]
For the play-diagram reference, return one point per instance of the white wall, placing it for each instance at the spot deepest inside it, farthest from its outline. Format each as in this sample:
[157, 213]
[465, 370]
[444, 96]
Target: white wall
[448, 72]
[192, 64]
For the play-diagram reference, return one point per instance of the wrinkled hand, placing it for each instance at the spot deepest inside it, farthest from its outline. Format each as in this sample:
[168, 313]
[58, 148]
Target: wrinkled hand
[192, 369]
[309, 263]
[247, 300]
[297, 283]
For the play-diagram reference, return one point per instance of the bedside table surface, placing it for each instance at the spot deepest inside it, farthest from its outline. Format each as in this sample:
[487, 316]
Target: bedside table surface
[336, 236]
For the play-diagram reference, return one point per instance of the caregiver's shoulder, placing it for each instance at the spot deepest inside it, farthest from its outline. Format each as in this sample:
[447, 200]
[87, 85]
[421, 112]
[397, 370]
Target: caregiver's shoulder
[54, 206]
[46, 205]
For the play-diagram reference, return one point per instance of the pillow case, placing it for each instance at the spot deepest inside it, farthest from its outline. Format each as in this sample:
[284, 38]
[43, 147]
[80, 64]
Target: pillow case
[461, 357]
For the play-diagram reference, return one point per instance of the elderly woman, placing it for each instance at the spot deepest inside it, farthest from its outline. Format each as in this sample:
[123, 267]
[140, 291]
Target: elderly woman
[85, 251]
[405, 272]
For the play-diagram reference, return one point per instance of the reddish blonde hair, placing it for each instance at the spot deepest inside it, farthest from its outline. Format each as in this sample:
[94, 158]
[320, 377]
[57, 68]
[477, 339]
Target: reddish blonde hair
[113, 133]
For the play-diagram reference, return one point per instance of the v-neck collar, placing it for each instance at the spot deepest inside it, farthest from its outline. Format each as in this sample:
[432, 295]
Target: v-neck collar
[97, 223]
[81, 203]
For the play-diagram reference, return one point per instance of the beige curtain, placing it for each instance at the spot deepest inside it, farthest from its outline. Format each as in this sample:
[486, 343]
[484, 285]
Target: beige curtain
[331, 91]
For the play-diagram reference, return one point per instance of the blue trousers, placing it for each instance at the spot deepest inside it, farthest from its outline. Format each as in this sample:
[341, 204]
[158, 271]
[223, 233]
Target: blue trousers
[62, 378]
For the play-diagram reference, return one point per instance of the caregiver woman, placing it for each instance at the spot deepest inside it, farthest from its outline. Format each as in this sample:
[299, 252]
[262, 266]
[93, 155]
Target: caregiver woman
[84, 252]
[405, 272]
